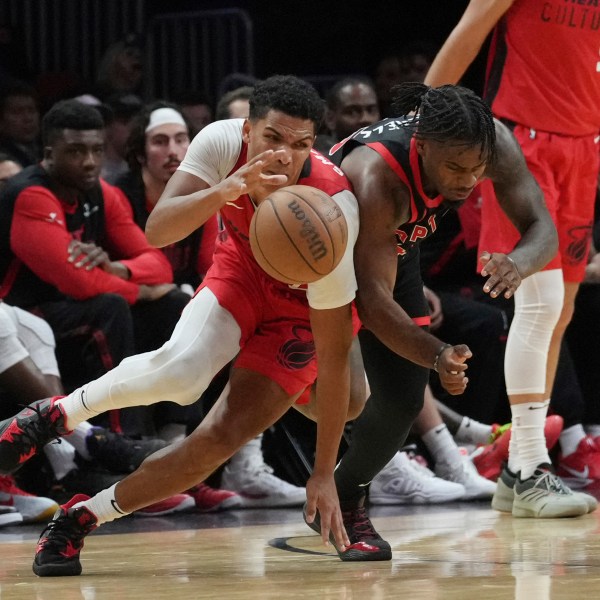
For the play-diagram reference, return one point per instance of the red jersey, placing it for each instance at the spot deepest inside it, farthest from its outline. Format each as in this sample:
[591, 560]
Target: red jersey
[544, 66]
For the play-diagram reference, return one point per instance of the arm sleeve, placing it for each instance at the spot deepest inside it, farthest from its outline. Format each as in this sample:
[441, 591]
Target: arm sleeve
[126, 242]
[339, 287]
[39, 238]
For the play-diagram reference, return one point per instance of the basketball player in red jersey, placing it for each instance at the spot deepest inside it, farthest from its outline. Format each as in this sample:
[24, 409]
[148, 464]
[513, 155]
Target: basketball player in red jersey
[238, 311]
[543, 81]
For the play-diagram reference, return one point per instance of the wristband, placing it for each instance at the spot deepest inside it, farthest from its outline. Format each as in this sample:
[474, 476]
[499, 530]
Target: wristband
[438, 355]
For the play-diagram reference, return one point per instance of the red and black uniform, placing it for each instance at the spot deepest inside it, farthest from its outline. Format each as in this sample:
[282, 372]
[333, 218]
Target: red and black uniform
[397, 384]
[544, 81]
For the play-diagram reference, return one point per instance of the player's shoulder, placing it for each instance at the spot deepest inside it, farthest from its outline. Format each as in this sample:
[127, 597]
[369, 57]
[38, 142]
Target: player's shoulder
[220, 129]
[321, 173]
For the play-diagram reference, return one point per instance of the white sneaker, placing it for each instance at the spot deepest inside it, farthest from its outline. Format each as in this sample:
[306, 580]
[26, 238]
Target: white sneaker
[405, 481]
[249, 476]
[32, 508]
[465, 472]
[9, 515]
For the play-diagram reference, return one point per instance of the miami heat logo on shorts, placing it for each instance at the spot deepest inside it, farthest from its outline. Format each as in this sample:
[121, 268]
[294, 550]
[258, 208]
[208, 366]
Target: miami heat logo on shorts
[578, 244]
[297, 352]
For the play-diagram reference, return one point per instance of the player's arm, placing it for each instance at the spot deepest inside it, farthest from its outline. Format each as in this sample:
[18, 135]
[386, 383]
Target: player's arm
[383, 205]
[332, 331]
[521, 198]
[465, 41]
[188, 201]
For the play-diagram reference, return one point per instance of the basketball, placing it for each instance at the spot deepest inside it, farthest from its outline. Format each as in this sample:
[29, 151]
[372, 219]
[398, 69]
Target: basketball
[298, 234]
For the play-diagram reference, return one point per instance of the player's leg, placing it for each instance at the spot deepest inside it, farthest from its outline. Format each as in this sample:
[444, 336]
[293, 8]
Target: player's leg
[206, 338]
[253, 403]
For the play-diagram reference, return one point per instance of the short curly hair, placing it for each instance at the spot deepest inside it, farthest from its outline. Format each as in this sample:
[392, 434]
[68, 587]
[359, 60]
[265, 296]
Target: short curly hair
[287, 94]
[69, 114]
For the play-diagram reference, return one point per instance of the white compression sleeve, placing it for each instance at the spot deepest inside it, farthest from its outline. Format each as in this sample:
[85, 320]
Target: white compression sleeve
[538, 303]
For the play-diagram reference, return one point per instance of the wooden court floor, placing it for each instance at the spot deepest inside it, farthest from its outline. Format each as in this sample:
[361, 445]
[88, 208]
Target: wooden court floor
[461, 551]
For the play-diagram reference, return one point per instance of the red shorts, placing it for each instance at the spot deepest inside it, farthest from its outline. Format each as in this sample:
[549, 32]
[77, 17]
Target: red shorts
[277, 339]
[566, 169]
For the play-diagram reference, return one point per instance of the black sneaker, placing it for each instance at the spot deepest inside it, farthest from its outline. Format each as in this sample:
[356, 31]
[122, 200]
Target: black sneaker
[365, 543]
[119, 453]
[23, 435]
[58, 548]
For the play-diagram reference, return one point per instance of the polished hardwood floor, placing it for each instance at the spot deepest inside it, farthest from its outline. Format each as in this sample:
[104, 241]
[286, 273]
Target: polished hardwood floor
[460, 551]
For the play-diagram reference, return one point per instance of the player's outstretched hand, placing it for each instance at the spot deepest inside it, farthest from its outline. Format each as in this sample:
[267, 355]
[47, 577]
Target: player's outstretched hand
[321, 495]
[502, 273]
[451, 368]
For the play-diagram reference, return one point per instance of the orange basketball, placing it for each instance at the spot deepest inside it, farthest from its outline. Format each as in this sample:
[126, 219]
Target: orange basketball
[298, 234]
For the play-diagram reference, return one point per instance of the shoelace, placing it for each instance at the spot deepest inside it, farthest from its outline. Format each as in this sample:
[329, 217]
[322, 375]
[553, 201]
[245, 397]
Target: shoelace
[553, 483]
[359, 522]
[61, 531]
[32, 430]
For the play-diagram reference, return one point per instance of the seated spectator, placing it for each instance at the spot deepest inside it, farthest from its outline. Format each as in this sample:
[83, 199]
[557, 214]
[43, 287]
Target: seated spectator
[72, 253]
[121, 69]
[351, 104]
[120, 109]
[233, 81]
[196, 107]
[235, 104]
[20, 123]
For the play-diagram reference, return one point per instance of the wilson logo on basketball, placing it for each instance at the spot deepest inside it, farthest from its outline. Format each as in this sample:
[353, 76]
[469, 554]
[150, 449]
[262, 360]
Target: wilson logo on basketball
[316, 245]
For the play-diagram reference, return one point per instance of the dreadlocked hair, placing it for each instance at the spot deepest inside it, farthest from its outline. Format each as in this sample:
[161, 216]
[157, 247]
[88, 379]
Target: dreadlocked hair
[449, 114]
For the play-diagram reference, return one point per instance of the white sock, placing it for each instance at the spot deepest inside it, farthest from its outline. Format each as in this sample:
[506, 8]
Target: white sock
[78, 439]
[570, 438]
[514, 460]
[441, 445]
[75, 407]
[61, 457]
[528, 422]
[473, 432]
[104, 506]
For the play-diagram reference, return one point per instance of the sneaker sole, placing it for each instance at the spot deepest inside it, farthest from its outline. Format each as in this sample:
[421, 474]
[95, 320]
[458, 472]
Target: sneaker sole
[389, 500]
[45, 515]
[57, 569]
[503, 499]
[549, 510]
[354, 552]
[185, 506]
[227, 504]
[10, 519]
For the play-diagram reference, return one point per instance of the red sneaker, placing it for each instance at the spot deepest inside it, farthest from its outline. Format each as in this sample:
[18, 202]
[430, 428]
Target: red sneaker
[490, 458]
[174, 504]
[210, 499]
[582, 467]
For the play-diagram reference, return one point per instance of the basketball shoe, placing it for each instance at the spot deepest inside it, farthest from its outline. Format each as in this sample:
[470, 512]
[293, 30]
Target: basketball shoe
[249, 476]
[60, 544]
[23, 435]
[464, 472]
[32, 508]
[543, 495]
[490, 458]
[174, 504]
[210, 499]
[405, 481]
[582, 467]
[119, 453]
[365, 543]
[9, 515]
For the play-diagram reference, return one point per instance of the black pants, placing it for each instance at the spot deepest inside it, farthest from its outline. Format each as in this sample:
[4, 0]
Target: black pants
[397, 388]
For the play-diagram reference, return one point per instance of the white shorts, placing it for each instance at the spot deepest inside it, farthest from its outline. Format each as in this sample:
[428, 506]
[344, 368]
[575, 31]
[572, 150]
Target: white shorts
[24, 335]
